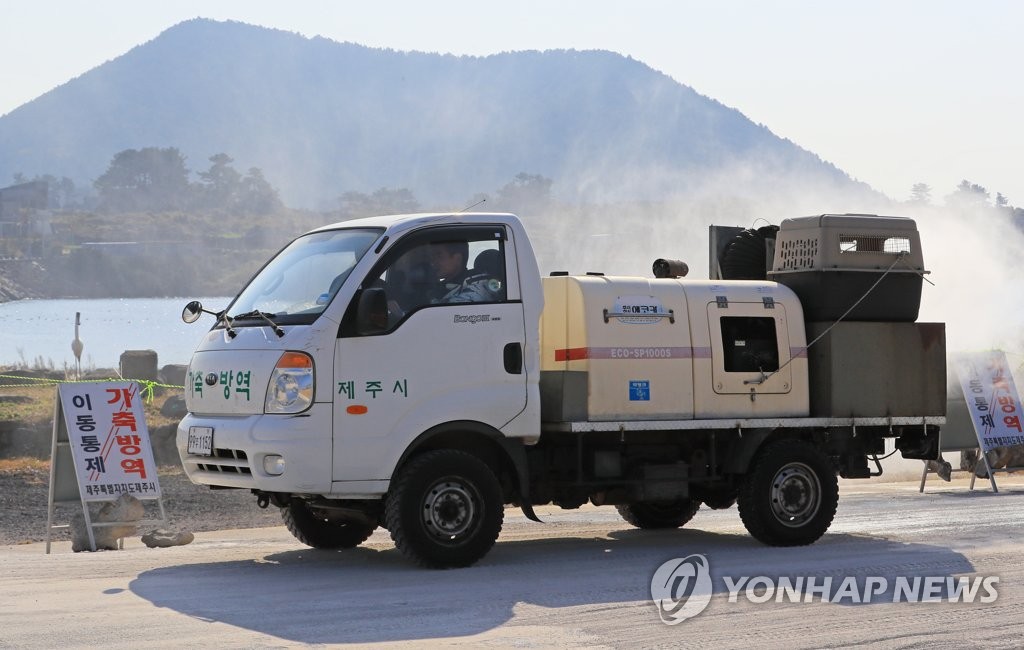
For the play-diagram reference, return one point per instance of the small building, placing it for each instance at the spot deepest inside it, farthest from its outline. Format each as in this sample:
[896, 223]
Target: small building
[20, 202]
[14, 199]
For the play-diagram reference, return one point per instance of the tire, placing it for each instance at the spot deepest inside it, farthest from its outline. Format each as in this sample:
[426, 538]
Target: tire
[659, 514]
[444, 509]
[744, 258]
[318, 532]
[790, 495]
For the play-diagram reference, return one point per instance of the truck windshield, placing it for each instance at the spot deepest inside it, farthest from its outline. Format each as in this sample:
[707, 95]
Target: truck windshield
[298, 284]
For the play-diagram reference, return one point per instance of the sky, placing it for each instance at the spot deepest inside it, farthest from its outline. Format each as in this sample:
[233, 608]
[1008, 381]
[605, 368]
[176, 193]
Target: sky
[892, 92]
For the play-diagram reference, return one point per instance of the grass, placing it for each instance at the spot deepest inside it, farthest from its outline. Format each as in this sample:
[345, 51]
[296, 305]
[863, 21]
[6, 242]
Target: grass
[20, 465]
[37, 410]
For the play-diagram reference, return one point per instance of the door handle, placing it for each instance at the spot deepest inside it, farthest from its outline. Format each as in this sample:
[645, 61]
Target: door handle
[513, 356]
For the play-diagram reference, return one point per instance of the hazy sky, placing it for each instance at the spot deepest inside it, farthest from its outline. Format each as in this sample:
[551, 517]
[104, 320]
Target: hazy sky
[893, 92]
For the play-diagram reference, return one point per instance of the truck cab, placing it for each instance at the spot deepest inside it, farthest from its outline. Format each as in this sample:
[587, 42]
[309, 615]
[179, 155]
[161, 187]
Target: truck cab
[366, 355]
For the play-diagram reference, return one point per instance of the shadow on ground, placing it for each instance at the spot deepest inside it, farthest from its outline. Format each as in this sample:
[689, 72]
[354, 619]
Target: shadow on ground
[374, 595]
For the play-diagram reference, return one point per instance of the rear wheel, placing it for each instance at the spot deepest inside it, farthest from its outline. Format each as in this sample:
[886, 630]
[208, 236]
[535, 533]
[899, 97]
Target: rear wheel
[445, 509]
[659, 514]
[316, 530]
[789, 498]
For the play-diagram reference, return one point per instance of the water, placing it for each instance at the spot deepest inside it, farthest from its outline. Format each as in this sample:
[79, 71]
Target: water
[44, 329]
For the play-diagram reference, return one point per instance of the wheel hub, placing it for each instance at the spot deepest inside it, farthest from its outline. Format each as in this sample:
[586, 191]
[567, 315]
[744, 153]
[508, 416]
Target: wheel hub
[449, 509]
[795, 494]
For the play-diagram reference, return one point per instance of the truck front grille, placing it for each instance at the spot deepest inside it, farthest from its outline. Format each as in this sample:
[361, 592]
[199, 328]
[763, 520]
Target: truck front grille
[226, 461]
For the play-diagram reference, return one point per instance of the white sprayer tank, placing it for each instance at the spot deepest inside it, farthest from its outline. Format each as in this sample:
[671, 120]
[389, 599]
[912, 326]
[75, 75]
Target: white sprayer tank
[622, 348]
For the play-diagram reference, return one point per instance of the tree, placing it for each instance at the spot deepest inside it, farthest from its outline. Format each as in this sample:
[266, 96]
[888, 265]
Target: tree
[221, 187]
[382, 201]
[65, 190]
[1001, 201]
[1017, 217]
[525, 193]
[59, 192]
[221, 184]
[970, 194]
[144, 179]
[256, 195]
[921, 193]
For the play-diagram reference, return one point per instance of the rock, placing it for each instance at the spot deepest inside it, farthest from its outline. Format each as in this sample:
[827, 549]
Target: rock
[940, 467]
[139, 364]
[968, 457]
[173, 374]
[100, 374]
[174, 407]
[164, 538]
[163, 440]
[126, 509]
[1008, 458]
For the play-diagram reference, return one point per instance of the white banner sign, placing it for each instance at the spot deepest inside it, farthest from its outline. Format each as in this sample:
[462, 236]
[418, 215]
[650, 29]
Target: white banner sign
[992, 398]
[109, 441]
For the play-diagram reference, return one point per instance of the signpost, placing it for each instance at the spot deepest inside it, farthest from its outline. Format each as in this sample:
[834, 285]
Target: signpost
[992, 402]
[100, 450]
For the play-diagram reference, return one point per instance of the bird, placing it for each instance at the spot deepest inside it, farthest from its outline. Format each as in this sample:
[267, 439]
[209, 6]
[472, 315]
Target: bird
[77, 345]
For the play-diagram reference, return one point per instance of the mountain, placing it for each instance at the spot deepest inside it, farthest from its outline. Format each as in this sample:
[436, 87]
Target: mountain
[321, 118]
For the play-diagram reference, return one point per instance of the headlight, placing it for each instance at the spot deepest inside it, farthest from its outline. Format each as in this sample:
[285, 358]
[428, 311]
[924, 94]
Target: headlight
[291, 384]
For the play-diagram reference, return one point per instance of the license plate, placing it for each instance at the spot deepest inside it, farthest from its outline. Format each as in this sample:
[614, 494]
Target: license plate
[200, 441]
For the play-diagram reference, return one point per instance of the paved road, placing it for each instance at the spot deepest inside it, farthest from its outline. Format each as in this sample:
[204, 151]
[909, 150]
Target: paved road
[583, 579]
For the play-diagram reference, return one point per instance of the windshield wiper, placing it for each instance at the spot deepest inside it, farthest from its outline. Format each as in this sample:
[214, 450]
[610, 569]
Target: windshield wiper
[223, 316]
[265, 316]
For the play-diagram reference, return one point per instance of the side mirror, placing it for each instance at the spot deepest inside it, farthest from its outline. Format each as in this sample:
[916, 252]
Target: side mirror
[192, 311]
[372, 312]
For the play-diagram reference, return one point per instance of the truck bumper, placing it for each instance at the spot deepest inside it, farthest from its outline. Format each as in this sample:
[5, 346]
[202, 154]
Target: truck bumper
[242, 444]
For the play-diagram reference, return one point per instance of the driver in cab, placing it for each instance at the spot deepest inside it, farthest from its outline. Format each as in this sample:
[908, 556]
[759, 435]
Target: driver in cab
[460, 284]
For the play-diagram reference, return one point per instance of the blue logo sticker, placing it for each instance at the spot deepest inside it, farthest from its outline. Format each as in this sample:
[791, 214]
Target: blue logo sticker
[639, 390]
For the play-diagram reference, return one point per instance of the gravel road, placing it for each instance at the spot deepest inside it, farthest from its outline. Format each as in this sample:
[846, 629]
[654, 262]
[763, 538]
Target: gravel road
[582, 579]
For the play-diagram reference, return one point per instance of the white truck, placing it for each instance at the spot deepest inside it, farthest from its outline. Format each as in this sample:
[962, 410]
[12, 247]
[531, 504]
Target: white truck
[352, 387]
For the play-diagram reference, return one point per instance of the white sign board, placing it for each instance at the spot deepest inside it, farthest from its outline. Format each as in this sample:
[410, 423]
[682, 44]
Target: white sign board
[109, 441]
[992, 398]
[639, 310]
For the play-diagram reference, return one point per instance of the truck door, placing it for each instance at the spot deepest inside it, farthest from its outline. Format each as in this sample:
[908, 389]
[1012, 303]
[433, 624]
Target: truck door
[422, 345]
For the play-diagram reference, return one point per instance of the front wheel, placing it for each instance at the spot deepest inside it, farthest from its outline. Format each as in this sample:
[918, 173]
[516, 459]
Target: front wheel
[445, 509]
[790, 495]
[316, 530]
[659, 514]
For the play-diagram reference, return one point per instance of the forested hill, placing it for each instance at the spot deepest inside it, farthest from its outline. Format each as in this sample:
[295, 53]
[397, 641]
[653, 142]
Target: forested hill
[320, 118]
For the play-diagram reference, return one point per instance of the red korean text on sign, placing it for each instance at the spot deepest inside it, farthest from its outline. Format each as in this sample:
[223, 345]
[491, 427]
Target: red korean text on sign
[129, 445]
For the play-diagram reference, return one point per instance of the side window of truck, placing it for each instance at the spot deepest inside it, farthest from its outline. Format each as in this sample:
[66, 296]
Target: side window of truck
[750, 344]
[433, 268]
